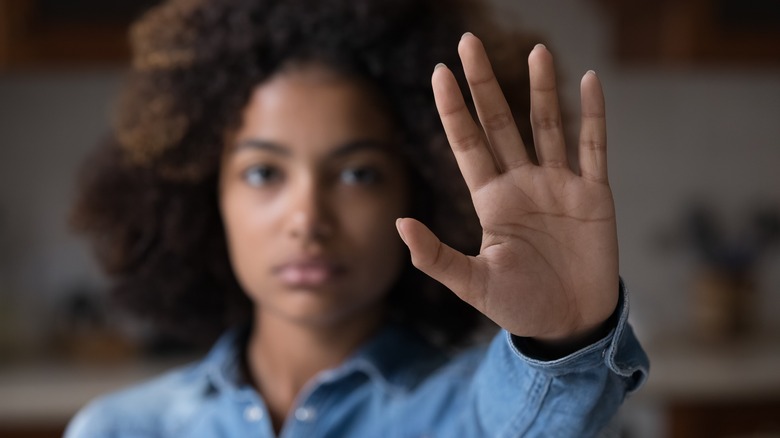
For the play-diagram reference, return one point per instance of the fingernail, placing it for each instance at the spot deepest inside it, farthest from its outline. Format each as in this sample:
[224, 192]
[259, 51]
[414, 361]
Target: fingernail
[438, 66]
[467, 33]
[398, 227]
[540, 45]
[591, 72]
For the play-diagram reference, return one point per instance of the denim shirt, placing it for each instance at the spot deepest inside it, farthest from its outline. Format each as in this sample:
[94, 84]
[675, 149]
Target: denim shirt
[394, 386]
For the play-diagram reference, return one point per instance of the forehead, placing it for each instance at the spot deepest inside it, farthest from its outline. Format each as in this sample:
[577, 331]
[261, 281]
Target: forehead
[312, 106]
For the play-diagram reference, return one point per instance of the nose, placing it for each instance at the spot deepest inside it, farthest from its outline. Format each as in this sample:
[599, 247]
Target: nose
[311, 217]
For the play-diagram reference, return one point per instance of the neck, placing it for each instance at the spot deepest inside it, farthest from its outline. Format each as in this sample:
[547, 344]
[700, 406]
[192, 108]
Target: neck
[283, 355]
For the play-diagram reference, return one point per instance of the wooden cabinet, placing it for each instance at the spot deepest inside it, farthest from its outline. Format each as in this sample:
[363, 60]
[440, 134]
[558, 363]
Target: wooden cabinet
[695, 32]
[751, 417]
[37, 34]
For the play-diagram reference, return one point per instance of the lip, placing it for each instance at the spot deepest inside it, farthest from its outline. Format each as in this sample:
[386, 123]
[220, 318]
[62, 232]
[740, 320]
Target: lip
[308, 272]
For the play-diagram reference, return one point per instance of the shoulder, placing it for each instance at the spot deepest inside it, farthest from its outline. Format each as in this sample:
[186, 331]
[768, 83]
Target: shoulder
[147, 409]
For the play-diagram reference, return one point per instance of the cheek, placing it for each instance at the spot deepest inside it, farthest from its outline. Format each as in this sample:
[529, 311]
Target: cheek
[246, 230]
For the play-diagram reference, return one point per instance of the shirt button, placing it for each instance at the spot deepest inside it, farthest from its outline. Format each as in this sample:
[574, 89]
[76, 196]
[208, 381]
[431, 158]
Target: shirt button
[305, 414]
[253, 414]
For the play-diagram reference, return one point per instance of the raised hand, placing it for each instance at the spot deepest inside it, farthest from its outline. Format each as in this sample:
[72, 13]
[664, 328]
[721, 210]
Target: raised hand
[548, 263]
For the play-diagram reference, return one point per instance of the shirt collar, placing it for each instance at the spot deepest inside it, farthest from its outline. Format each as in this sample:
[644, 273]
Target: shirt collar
[222, 365]
[395, 357]
[385, 359]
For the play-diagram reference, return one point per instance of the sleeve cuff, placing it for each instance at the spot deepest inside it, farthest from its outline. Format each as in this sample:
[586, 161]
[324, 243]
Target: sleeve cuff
[619, 350]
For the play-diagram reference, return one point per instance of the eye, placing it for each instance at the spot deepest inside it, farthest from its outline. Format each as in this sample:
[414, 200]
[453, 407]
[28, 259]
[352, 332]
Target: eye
[261, 175]
[360, 175]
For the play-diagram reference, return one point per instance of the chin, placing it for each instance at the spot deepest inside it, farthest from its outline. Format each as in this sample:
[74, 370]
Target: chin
[321, 317]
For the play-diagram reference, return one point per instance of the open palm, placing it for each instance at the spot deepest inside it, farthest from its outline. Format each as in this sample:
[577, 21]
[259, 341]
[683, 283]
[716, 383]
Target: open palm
[548, 263]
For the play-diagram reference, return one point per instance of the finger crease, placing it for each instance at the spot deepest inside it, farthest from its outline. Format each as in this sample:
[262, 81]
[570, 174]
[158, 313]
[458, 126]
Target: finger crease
[497, 122]
[594, 145]
[547, 123]
[466, 143]
[482, 81]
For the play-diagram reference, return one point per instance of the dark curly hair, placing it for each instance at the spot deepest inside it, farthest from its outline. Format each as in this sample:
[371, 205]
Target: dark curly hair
[148, 194]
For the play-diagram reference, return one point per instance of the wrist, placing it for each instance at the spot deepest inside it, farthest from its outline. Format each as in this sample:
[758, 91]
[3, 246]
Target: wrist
[556, 347]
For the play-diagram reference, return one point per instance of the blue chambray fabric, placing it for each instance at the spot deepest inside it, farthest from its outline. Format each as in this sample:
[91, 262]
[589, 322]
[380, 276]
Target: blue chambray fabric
[395, 386]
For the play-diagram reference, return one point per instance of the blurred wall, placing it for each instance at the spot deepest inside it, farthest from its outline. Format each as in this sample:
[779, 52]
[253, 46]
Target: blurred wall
[48, 121]
[675, 135]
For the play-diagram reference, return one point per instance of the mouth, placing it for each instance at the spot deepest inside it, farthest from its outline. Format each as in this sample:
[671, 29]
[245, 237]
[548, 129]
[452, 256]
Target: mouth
[308, 273]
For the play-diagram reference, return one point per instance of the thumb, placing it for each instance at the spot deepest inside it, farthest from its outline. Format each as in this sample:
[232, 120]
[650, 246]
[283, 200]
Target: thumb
[442, 263]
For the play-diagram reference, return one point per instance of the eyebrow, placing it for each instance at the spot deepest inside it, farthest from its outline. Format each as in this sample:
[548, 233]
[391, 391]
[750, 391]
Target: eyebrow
[346, 149]
[257, 144]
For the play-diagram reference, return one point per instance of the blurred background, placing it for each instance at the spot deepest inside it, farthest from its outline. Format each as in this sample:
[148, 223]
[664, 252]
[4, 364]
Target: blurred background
[693, 101]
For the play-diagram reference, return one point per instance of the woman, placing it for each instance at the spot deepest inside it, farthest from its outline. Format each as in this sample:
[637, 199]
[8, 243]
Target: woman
[267, 157]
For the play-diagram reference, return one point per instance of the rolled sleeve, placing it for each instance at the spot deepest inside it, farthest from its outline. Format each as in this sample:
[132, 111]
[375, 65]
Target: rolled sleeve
[619, 350]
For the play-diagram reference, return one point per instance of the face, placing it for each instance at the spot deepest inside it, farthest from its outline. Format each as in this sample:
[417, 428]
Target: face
[310, 187]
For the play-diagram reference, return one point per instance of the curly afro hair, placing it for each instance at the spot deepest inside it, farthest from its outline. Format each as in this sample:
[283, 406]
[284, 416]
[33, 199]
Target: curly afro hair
[148, 194]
